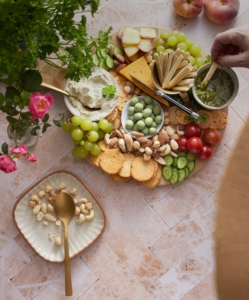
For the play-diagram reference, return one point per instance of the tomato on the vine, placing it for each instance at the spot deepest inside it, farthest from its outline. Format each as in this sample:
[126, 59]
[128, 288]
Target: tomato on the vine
[211, 137]
[192, 130]
[205, 153]
[194, 144]
[182, 142]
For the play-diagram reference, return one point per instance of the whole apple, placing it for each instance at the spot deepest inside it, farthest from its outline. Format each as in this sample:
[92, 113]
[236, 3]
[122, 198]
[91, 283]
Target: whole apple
[188, 8]
[221, 11]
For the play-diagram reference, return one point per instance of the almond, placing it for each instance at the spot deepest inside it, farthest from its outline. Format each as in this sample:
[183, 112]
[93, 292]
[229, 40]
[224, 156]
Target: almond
[111, 51]
[116, 62]
[142, 139]
[147, 144]
[120, 67]
[128, 141]
[113, 142]
[166, 136]
[120, 58]
[119, 133]
[161, 138]
[117, 124]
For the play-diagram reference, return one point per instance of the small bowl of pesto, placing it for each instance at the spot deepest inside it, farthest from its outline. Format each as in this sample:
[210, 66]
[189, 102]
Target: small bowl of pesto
[220, 91]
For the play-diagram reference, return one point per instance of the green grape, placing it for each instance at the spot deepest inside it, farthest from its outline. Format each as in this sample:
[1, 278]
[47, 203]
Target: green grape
[95, 126]
[67, 127]
[81, 152]
[76, 142]
[82, 143]
[109, 128]
[160, 49]
[172, 40]
[181, 37]
[174, 33]
[168, 50]
[182, 46]
[199, 62]
[189, 43]
[88, 145]
[86, 124]
[75, 152]
[92, 136]
[77, 134]
[101, 134]
[164, 34]
[195, 49]
[191, 59]
[76, 120]
[103, 124]
[159, 42]
[95, 151]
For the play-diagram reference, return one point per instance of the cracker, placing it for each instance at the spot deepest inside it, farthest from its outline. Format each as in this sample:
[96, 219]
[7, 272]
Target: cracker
[154, 180]
[173, 110]
[94, 160]
[118, 178]
[204, 124]
[142, 170]
[181, 117]
[126, 168]
[113, 115]
[217, 121]
[103, 146]
[111, 161]
[224, 120]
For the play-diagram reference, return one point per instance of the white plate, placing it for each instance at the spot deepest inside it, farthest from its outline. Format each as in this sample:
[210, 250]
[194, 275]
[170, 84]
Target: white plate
[36, 234]
[124, 117]
[97, 114]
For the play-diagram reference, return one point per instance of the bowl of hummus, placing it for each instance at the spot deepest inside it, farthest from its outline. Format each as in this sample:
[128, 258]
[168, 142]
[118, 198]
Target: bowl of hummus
[88, 101]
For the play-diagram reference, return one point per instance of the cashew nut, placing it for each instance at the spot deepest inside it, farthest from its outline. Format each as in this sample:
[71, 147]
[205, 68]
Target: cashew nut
[74, 191]
[77, 210]
[81, 219]
[136, 145]
[36, 209]
[175, 136]
[141, 150]
[90, 216]
[88, 206]
[107, 138]
[48, 188]
[156, 144]
[82, 200]
[179, 131]
[35, 198]
[41, 194]
[147, 157]
[166, 151]
[83, 210]
[58, 241]
[32, 203]
[162, 148]
[50, 207]
[39, 216]
[148, 151]
[61, 186]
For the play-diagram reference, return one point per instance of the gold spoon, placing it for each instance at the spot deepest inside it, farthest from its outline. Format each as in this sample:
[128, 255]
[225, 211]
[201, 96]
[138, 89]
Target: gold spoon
[64, 208]
[210, 73]
[66, 93]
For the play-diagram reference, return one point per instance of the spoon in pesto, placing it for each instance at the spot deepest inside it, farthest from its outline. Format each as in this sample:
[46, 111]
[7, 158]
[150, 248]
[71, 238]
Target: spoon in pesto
[209, 75]
[69, 95]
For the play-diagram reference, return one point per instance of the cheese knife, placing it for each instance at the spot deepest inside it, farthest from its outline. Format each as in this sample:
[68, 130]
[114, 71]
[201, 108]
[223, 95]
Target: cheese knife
[171, 100]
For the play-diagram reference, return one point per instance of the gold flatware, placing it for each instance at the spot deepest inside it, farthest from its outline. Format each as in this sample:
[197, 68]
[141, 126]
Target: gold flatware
[64, 208]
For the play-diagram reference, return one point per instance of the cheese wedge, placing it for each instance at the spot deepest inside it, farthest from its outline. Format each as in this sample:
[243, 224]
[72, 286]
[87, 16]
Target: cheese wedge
[140, 69]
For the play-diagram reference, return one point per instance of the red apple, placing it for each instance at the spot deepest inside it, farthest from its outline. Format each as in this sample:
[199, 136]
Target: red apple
[188, 8]
[221, 11]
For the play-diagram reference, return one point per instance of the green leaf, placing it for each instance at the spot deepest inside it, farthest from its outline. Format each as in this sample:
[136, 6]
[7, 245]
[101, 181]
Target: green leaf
[34, 130]
[11, 92]
[109, 91]
[5, 148]
[57, 123]
[45, 127]
[25, 97]
[31, 80]
[45, 119]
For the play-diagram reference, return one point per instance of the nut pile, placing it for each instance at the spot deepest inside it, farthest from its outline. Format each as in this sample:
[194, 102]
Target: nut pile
[42, 207]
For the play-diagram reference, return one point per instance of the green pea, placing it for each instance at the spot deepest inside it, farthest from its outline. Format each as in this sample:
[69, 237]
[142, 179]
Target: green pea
[131, 110]
[138, 107]
[129, 124]
[148, 100]
[140, 125]
[152, 130]
[134, 101]
[158, 119]
[147, 112]
[138, 116]
[146, 130]
[156, 109]
[148, 121]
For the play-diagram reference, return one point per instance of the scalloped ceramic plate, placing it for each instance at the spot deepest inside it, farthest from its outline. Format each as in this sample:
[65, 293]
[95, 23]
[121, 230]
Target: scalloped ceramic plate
[36, 234]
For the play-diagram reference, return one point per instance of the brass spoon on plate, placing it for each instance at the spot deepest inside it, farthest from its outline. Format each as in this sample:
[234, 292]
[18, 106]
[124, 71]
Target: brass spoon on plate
[210, 73]
[66, 93]
[64, 208]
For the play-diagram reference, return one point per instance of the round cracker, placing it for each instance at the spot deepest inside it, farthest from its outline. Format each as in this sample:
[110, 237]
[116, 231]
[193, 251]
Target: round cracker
[126, 168]
[217, 119]
[142, 170]
[113, 115]
[204, 124]
[154, 180]
[173, 111]
[181, 117]
[111, 161]
[118, 178]
[224, 119]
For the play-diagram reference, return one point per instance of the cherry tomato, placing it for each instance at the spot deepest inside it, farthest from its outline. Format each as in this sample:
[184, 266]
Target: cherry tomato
[194, 144]
[205, 153]
[211, 137]
[182, 142]
[192, 129]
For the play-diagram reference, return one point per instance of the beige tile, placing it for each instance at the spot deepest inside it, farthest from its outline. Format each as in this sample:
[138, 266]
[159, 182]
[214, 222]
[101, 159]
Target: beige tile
[131, 206]
[241, 105]
[25, 246]
[97, 291]
[36, 276]
[115, 275]
[12, 257]
[82, 279]
[8, 290]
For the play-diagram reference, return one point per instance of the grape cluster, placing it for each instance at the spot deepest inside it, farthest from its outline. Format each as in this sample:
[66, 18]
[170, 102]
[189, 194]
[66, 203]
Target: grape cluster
[169, 41]
[86, 134]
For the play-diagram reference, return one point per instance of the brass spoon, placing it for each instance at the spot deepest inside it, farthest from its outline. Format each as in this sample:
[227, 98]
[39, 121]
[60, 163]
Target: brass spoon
[210, 73]
[66, 93]
[64, 208]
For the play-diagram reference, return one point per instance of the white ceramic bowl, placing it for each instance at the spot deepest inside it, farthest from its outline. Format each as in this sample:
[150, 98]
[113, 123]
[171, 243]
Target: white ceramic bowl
[234, 77]
[125, 117]
[77, 109]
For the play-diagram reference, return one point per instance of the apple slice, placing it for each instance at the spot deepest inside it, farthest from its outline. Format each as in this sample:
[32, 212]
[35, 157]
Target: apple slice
[146, 45]
[130, 36]
[134, 57]
[121, 30]
[131, 50]
[148, 33]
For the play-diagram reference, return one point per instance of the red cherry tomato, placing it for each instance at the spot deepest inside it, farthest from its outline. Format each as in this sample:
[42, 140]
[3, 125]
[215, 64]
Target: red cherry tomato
[194, 144]
[182, 143]
[211, 137]
[205, 153]
[192, 129]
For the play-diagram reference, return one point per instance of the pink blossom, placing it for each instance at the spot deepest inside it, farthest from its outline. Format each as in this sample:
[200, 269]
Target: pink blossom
[40, 105]
[22, 149]
[32, 158]
[7, 165]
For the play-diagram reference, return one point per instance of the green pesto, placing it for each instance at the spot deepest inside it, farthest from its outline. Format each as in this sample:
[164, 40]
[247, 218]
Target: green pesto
[219, 89]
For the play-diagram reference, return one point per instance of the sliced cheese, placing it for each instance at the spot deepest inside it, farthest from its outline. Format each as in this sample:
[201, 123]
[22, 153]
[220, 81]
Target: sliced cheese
[140, 69]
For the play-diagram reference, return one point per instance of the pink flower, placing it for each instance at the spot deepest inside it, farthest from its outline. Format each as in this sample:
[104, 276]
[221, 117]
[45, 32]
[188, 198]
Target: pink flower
[19, 151]
[32, 158]
[40, 105]
[7, 165]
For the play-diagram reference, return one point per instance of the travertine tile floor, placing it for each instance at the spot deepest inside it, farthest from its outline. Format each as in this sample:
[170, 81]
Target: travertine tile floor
[158, 244]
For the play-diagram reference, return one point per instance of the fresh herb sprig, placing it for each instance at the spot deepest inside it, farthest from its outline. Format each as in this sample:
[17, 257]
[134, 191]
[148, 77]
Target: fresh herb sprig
[109, 91]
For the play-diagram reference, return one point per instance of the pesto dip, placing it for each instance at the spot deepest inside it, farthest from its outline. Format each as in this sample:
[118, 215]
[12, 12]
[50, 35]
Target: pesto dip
[218, 91]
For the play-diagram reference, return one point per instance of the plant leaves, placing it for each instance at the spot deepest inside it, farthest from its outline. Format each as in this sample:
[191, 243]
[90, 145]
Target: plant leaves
[5, 148]
[31, 80]
[34, 130]
[45, 127]
[11, 92]
[57, 123]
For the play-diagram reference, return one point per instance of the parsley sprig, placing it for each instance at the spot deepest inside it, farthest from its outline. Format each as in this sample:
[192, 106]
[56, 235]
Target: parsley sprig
[109, 91]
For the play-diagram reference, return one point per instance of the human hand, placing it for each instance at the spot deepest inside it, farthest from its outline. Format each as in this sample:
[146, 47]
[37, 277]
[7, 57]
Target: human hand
[231, 48]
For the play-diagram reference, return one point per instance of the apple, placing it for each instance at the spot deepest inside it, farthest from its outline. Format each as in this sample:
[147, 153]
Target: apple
[221, 11]
[188, 8]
